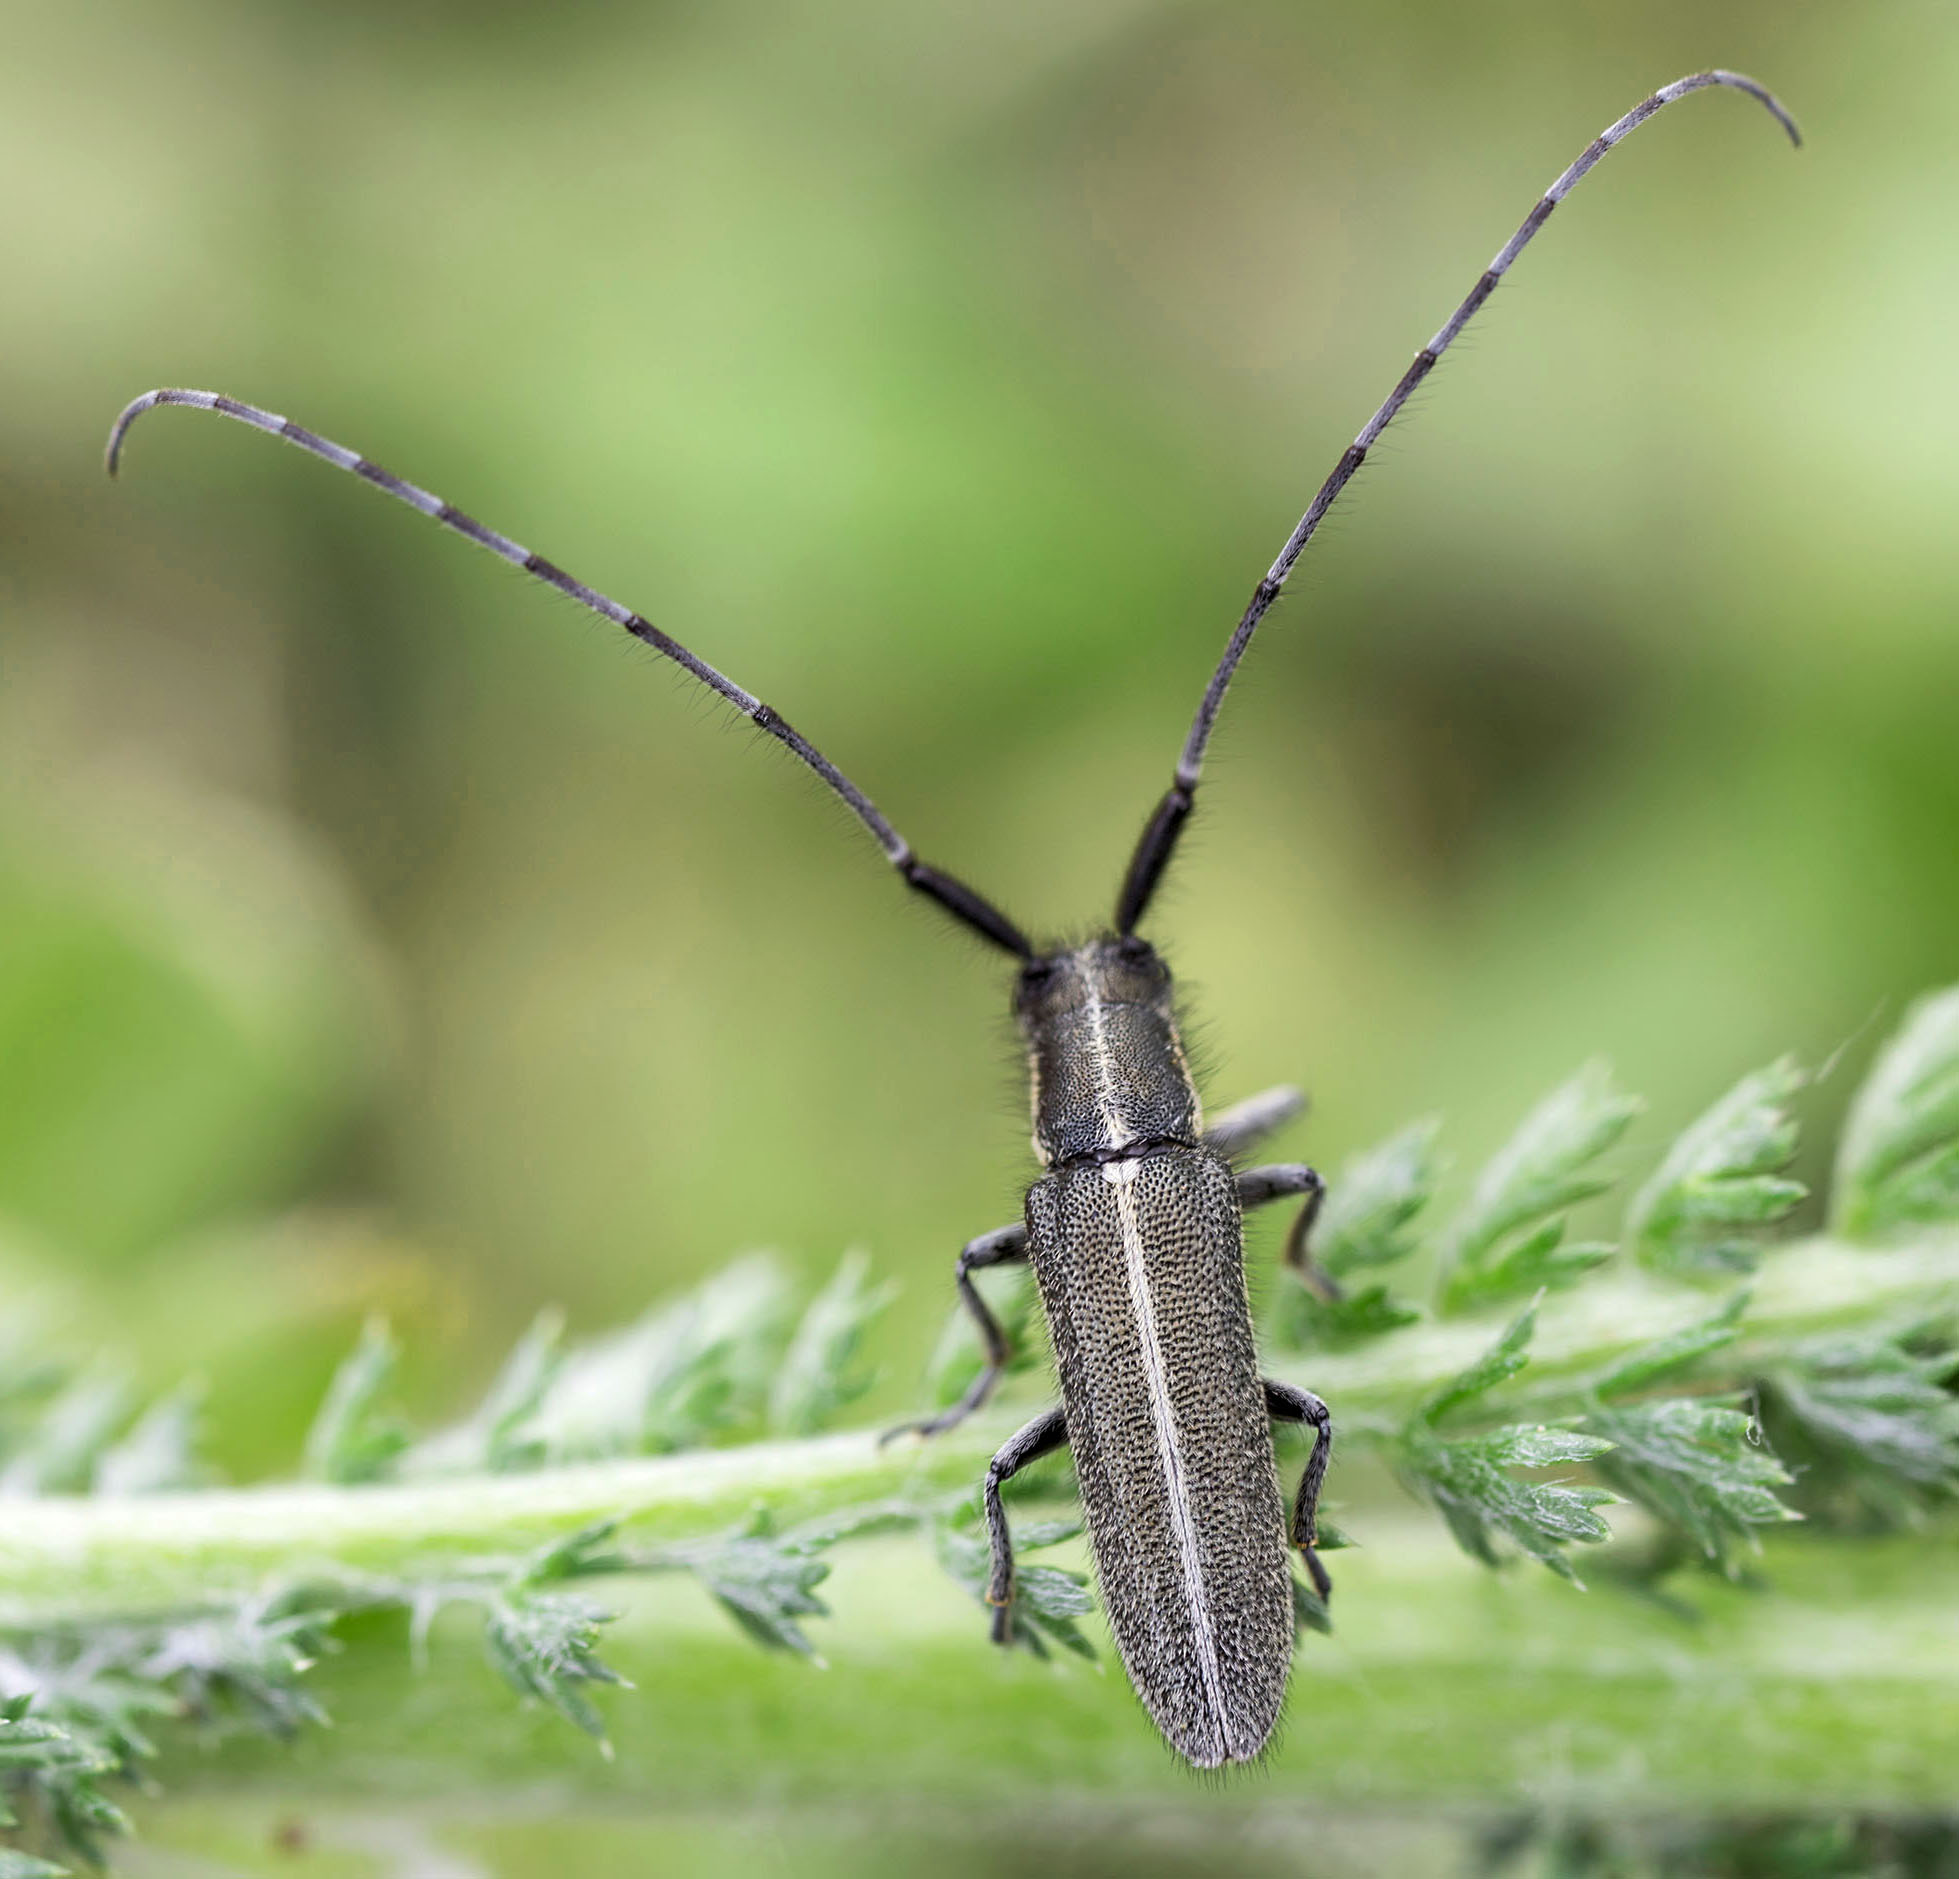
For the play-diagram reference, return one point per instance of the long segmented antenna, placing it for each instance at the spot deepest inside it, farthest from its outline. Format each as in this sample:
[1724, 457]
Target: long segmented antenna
[1160, 834]
[973, 909]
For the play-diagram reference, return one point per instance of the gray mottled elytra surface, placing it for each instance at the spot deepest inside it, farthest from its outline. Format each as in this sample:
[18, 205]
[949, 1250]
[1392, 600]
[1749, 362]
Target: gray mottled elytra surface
[1136, 1239]
[1141, 1273]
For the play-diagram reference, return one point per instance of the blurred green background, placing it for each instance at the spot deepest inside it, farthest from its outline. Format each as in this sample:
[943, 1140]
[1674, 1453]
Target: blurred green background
[375, 931]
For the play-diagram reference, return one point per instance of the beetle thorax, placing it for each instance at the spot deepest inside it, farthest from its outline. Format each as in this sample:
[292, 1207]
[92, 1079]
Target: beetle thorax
[1108, 1070]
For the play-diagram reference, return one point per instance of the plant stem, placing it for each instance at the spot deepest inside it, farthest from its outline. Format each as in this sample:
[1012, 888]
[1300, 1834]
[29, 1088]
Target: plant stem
[66, 1558]
[1442, 1684]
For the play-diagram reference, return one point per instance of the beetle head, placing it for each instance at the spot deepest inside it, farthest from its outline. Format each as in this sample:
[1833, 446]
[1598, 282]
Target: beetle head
[1110, 969]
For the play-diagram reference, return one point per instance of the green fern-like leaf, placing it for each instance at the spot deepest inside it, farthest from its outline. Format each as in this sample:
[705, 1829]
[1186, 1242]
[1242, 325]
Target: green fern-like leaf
[1705, 1209]
[1468, 1478]
[1667, 1359]
[1049, 1601]
[1508, 1241]
[956, 1356]
[1701, 1467]
[1861, 1423]
[1873, 1422]
[1898, 1161]
[819, 1373]
[546, 1646]
[354, 1438]
[1366, 1223]
[1469, 1483]
[766, 1582]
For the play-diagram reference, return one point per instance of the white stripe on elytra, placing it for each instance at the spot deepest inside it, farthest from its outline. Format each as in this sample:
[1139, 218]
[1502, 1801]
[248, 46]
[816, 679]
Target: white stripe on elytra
[1121, 1175]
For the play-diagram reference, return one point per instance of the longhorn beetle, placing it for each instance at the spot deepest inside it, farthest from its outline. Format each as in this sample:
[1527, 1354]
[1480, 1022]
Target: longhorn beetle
[1135, 1226]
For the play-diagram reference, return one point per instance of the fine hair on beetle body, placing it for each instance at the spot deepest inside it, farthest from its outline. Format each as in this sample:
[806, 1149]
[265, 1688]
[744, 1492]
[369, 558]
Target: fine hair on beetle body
[1134, 1227]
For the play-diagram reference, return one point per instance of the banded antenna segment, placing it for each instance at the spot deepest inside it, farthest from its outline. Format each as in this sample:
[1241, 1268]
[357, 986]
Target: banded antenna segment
[1159, 838]
[961, 901]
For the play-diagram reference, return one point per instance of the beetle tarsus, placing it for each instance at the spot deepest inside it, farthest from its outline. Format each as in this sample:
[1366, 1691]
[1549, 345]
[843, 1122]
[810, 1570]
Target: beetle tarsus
[1284, 1403]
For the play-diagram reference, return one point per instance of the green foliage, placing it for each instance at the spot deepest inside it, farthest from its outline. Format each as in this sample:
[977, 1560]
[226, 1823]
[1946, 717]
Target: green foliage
[1672, 1356]
[1899, 1158]
[1700, 1467]
[1049, 1601]
[53, 1771]
[545, 1640]
[1502, 1361]
[1703, 1212]
[1862, 1424]
[546, 1645]
[818, 1374]
[79, 1705]
[1470, 1485]
[1468, 1478]
[1871, 1422]
[495, 1438]
[1851, 1846]
[245, 1664]
[687, 1371]
[1370, 1206]
[58, 1452]
[766, 1582]
[84, 1432]
[353, 1439]
[956, 1357]
[158, 1453]
[731, 1357]
[1310, 1612]
[15, 1865]
[1508, 1241]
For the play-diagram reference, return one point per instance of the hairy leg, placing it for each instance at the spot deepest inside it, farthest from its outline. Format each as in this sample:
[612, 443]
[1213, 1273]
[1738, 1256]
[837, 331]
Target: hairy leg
[998, 1248]
[1258, 1186]
[1046, 1432]
[1286, 1404]
[1244, 1125]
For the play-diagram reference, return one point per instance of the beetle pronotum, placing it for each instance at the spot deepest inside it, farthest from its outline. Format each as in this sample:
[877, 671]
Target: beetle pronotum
[1135, 1226]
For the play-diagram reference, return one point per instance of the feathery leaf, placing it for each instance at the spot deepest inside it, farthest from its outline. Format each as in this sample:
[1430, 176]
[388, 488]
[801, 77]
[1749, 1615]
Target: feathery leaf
[1049, 1601]
[1509, 1238]
[1365, 1223]
[1640, 1369]
[353, 1439]
[1508, 1355]
[1898, 1160]
[1700, 1467]
[1872, 1422]
[1704, 1210]
[818, 1373]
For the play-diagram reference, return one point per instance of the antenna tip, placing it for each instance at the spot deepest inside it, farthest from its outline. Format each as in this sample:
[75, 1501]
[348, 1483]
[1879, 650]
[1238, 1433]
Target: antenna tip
[112, 453]
[134, 409]
[1740, 81]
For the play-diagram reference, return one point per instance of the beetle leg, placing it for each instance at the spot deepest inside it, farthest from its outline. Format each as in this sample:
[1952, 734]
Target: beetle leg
[1244, 1125]
[997, 1248]
[1047, 1431]
[1286, 1404]
[1256, 1186]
